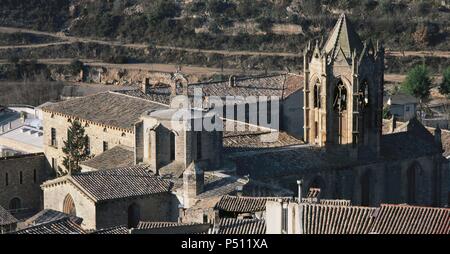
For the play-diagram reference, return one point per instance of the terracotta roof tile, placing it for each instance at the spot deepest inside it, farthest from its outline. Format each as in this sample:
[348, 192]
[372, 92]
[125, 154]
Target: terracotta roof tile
[244, 204]
[404, 219]
[229, 226]
[62, 226]
[118, 230]
[326, 219]
[48, 215]
[281, 85]
[116, 157]
[6, 218]
[108, 108]
[121, 182]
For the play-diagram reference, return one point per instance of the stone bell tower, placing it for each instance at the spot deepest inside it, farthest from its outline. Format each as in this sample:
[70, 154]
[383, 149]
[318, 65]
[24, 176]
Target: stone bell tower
[343, 94]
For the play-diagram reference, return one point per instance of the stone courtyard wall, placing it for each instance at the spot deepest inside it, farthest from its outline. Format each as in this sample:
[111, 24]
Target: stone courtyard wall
[34, 172]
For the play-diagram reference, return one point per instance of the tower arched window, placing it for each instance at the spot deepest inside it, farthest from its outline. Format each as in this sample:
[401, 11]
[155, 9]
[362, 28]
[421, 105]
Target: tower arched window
[340, 97]
[317, 103]
[364, 94]
[69, 206]
[15, 204]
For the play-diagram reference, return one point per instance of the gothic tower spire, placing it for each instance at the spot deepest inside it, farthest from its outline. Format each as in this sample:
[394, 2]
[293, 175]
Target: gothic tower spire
[343, 92]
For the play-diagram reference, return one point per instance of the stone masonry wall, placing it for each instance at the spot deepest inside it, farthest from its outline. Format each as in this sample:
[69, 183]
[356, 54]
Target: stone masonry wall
[85, 207]
[34, 172]
[96, 133]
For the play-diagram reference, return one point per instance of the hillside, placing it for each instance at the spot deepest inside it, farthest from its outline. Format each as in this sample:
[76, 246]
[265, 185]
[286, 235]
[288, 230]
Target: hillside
[281, 26]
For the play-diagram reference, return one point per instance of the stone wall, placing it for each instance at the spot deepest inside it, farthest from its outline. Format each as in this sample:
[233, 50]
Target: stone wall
[97, 135]
[34, 171]
[292, 114]
[156, 207]
[387, 182]
[85, 207]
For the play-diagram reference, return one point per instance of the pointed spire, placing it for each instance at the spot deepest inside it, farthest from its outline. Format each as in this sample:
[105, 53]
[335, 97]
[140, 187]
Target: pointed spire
[345, 37]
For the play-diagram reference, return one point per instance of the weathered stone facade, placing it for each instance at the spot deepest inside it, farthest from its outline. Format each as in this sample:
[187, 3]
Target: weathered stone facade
[344, 82]
[170, 145]
[97, 133]
[21, 177]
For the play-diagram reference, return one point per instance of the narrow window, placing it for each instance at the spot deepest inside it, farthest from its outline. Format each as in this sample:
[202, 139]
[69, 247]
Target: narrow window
[54, 164]
[6, 179]
[172, 146]
[88, 146]
[269, 112]
[34, 176]
[247, 113]
[316, 129]
[199, 145]
[15, 204]
[105, 146]
[20, 177]
[316, 96]
[53, 138]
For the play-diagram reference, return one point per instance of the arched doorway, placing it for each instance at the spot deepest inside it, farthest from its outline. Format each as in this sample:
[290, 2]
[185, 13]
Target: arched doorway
[15, 204]
[69, 206]
[134, 215]
[365, 188]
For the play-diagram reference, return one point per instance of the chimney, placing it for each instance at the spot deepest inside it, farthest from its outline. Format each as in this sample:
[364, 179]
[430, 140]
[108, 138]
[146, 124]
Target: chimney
[300, 186]
[193, 184]
[232, 81]
[300, 208]
[145, 85]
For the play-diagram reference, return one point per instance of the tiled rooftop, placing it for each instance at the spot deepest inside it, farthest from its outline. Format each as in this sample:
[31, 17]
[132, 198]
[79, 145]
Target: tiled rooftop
[62, 226]
[116, 157]
[109, 109]
[229, 226]
[274, 85]
[48, 215]
[326, 219]
[404, 219]
[118, 230]
[6, 218]
[117, 183]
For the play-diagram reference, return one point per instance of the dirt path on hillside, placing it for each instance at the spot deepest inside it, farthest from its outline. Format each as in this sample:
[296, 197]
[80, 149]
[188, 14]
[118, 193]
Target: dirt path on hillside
[71, 39]
[186, 69]
[165, 68]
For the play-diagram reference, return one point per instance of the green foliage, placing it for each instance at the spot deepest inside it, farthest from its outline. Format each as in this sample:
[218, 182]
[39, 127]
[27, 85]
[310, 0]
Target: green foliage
[162, 9]
[444, 87]
[13, 59]
[75, 66]
[418, 82]
[76, 148]
[386, 112]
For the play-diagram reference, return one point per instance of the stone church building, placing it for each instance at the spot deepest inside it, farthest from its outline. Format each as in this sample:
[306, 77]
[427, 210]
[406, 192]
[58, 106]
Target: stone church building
[349, 156]
[344, 151]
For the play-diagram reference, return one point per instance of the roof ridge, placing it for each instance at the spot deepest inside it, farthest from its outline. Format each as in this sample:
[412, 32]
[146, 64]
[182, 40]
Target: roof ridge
[138, 98]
